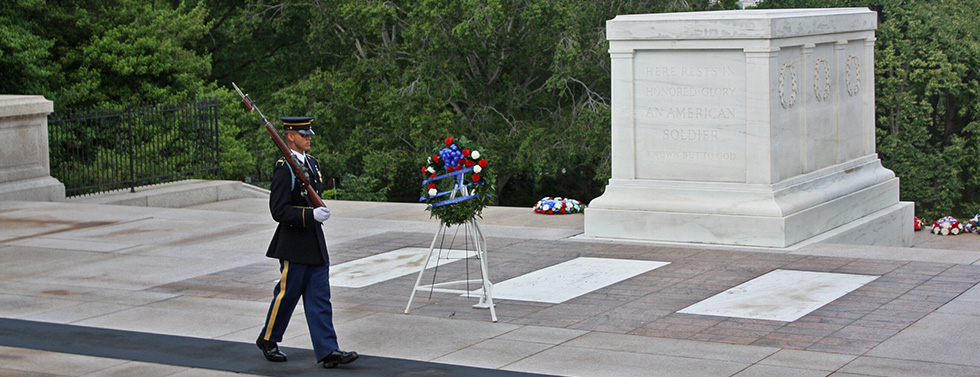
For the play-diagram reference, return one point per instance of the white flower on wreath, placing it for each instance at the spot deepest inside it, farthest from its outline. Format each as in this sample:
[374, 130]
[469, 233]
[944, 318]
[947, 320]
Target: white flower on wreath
[475, 155]
[433, 192]
[431, 170]
[476, 169]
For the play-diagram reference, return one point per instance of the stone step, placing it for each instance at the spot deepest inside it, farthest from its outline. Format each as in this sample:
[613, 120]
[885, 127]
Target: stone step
[178, 194]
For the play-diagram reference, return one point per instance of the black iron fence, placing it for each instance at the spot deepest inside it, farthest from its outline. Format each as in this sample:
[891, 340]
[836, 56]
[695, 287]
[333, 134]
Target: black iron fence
[124, 147]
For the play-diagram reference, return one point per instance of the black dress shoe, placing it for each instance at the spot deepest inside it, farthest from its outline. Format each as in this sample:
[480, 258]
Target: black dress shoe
[338, 357]
[270, 350]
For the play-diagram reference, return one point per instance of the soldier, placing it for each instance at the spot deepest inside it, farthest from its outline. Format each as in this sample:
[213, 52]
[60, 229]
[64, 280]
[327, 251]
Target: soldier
[300, 246]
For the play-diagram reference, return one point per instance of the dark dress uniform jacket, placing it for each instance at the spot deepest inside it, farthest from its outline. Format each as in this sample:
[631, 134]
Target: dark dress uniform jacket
[299, 238]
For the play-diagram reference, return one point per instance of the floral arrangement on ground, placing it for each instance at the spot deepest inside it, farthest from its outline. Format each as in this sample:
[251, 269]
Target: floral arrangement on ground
[949, 225]
[558, 205]
[946, 226]
[457, 184]
[973, 226]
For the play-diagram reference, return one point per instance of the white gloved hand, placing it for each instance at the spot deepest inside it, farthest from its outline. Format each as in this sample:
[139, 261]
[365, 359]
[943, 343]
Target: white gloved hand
[321, 214]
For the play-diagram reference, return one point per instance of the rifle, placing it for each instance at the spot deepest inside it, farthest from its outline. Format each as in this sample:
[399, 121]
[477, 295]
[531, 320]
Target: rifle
[290, 158]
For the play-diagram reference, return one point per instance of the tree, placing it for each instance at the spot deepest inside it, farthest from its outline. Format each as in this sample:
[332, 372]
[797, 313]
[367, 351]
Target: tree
[25, 50]
[526, 80]
[103, 53]
[116, 53]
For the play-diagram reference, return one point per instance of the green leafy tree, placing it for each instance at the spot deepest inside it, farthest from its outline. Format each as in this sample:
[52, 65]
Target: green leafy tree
[25, 49]
[123, 52]
[529, 80]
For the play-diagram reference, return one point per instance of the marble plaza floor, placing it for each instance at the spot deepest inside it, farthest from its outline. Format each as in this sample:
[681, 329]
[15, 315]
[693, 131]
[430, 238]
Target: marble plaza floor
[104, 290]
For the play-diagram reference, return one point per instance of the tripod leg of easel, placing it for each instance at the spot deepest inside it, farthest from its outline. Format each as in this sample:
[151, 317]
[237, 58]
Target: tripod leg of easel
[486, 301]
[425, 264]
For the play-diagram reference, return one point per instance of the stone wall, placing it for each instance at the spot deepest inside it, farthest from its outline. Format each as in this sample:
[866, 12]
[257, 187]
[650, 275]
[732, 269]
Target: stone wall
[25, 170]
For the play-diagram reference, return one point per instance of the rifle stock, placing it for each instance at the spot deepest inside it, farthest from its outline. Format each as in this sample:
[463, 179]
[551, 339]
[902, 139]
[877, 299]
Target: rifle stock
[315, 200]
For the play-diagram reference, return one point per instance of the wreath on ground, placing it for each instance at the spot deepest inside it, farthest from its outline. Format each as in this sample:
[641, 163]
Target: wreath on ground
[946, 226]
[557, 206]
[919, 223]
[973, 226]
[456, 183]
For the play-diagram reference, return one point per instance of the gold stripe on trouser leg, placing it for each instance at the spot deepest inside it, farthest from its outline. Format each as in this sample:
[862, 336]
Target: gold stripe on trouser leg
[275, 307]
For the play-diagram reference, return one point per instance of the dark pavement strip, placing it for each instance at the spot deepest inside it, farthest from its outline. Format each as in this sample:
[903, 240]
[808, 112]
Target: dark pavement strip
[211, 354]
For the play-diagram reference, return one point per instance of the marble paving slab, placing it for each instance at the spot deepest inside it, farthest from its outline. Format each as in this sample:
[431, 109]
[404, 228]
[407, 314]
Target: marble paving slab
[567, 280]
[781, 295]
[396, 263]
[73, 244]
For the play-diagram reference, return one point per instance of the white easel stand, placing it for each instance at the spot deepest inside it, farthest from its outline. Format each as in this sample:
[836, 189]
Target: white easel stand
[486, 298]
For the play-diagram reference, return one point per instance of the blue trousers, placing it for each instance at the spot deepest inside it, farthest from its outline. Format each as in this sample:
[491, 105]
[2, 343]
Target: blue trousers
[312, 282]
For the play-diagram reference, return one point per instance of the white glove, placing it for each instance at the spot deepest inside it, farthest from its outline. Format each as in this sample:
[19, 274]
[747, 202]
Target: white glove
[321, 214]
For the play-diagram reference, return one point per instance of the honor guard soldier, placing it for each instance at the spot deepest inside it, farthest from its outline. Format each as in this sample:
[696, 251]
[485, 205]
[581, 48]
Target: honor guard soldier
[300, 246]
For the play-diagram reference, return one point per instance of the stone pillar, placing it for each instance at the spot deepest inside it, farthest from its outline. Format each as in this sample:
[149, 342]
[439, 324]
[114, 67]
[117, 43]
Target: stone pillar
[748, 127]
[25, 172]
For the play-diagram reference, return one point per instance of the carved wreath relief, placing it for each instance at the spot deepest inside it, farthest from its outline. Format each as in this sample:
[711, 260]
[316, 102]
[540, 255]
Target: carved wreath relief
[821, 80]
[787, 100]
[853, 69]
[822, 92]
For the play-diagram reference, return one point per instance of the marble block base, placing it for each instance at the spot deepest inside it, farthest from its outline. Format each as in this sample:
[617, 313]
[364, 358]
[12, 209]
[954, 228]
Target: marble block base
[888, 227]
[43, 189]
[25, 172]
[858, 201]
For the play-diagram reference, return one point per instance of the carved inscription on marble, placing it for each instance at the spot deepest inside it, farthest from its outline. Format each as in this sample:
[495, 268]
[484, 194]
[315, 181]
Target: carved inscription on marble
[689, 109]
[691, 112]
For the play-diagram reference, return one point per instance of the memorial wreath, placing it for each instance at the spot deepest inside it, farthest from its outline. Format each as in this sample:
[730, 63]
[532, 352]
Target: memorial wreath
[552, 206]
[946, 226]
[973, 226]
[456, 183]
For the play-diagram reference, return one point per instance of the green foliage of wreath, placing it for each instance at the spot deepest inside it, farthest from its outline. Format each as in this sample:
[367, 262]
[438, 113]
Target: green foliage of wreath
[476, 170]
